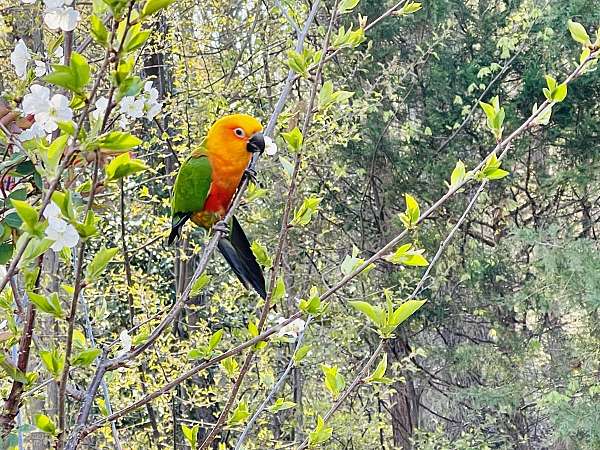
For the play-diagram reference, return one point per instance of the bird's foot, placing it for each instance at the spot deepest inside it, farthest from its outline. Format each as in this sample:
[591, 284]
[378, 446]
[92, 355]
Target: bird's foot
[251, 174]
[221, 226]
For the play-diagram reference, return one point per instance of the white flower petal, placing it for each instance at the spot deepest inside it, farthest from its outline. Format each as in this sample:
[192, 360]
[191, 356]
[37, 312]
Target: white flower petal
[57, 224]
[126, 343]
[37, 101]
[52, 210]
[57, 246]
[101, 104]
[35, 131]
[53, 4]
[153, 110]
[270, 146]
[19, 58]
[61, 18]
[71, 236]
[40, 68]
[69, 19]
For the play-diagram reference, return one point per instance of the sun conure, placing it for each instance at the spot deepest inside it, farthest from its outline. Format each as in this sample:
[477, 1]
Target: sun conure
[206, 183]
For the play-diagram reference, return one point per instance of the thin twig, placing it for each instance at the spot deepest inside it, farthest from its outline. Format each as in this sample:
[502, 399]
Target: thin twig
[274, 390]
[358, 379]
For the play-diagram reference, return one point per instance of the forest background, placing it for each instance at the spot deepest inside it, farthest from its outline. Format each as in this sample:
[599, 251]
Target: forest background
[466, 129]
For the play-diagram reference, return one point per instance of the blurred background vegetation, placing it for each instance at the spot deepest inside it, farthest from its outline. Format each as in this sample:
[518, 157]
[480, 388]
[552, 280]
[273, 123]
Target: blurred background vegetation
[506, 352]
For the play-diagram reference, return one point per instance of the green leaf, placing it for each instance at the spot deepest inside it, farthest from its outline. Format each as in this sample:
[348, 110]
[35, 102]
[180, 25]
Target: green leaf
[578, 33]
[130, 86]
[35, 248]
[73, 77]
[26, 212]
[190, 434]
[215, 339]
[239, 415]
[54, 153]
[43, 423]
[409, 8]
[497, 174]
[12, 371]
[374, 313]
[6, 252]
[458, 174]
[151, 7]
[293, 139]
[50, 305]
[262, 256]
[300, 354]
[136, 38]
[404, 311]
[53, 361]
[86, 357]
[122, 166]
[230, 365]
[334, 380]
[542, 118]
[407, 256]
[560, 93]
[320, 434]
[378, 375]
[98, 30]
[312, 306]
[488, 110]
[99, 263]
[115, 140]
[281, 404]
[199, 284]
[298, 63]
[304, 214]
[347, 6]
[279, 290]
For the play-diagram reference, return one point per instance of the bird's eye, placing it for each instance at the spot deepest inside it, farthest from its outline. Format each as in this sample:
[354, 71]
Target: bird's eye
[239, 132]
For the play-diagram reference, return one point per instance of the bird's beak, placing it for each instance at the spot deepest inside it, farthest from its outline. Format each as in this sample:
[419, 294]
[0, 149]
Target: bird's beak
[256, 144]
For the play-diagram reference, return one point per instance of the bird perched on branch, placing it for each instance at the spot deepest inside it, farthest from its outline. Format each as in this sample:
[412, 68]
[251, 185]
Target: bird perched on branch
[206, 184]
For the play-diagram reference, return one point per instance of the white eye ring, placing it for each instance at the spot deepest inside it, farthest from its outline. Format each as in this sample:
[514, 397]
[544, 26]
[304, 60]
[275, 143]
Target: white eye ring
[239, 132]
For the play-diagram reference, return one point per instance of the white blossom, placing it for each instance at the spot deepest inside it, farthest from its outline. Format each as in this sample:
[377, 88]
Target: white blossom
[101, 104]
[126, 343]
[59, 54]
[28, 2]
[123, 122]
[3, 324]
[52, 210]
[35, 131]
[40, 68]
[62, 233]
[150, 92]
[151, 104]
[292, 329]
[47, 111]
[59, 15]
[19, 58]
[270, 146]
[131, 107]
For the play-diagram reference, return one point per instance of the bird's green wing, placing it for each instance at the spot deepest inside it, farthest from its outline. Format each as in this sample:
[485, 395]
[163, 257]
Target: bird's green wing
[191, 185]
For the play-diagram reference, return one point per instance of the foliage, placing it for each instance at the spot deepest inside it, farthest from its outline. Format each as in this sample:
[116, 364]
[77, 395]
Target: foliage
[494, 344]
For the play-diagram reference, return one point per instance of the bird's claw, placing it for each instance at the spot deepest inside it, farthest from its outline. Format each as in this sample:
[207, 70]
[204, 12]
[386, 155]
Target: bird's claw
[221, 226]
[251, 174]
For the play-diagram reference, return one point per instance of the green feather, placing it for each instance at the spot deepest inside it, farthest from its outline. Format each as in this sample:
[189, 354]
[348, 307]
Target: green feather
[191, 185]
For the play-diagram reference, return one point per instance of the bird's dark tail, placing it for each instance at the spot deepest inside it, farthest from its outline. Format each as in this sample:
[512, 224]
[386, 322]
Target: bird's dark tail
[179, 219]
[237, 252]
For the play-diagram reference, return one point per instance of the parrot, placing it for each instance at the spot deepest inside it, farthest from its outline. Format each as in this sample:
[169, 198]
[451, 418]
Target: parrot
[206, 183]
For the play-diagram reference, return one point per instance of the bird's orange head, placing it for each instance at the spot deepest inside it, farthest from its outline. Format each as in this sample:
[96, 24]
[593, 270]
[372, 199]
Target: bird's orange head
[235, 137]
